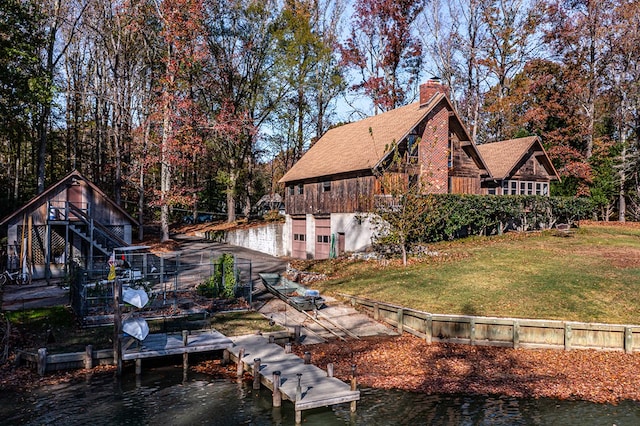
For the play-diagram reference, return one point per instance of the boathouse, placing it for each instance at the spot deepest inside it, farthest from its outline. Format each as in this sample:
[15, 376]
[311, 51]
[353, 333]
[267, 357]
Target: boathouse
[71, 221]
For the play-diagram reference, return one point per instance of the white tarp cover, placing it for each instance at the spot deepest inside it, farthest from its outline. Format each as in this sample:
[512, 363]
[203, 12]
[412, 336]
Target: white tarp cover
[136, 327]
[137, 298]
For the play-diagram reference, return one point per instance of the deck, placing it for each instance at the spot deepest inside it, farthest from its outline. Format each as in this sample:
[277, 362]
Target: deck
[162, 344]
[318, 390]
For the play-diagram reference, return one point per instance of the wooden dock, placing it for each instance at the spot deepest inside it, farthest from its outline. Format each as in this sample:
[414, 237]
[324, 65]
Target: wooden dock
[317, 389]
[162, 344]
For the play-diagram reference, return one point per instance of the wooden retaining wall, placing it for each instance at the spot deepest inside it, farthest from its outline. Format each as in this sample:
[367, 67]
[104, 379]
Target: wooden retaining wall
[44, 362]
[505, 332]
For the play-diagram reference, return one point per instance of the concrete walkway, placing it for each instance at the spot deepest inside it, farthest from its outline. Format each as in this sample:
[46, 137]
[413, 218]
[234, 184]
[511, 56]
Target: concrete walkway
[311, 333]
[35, 295]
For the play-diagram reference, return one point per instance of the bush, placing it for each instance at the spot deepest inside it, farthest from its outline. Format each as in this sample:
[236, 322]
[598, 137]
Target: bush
[223, 281]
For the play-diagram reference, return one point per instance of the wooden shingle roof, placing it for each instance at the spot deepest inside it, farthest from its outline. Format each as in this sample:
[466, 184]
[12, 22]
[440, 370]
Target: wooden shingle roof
[360, 145]
[502, 158]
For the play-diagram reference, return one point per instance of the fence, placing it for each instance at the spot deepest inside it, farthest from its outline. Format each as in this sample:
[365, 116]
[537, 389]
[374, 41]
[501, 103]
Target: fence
[164, 277]
[505, 332]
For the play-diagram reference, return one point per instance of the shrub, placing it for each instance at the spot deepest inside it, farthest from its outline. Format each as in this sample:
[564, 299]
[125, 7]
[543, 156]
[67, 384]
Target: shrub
[223, 281]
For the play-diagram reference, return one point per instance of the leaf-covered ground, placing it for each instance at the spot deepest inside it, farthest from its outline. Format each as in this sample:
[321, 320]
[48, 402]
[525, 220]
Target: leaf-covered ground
[408, 363]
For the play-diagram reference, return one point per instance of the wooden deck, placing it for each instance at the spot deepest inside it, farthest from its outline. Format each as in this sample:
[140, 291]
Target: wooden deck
[157, 345]
[318, 390]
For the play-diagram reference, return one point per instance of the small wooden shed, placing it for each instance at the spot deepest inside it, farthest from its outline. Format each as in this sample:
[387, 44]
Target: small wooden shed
[71, 221]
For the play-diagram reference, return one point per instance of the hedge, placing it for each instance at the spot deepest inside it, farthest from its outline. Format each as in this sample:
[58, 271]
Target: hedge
[453, 216]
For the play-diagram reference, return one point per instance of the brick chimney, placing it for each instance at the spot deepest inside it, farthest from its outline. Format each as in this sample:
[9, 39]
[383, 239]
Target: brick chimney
[430, 88]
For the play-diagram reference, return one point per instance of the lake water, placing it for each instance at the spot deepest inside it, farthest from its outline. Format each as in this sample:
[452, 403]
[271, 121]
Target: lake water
[161, 397]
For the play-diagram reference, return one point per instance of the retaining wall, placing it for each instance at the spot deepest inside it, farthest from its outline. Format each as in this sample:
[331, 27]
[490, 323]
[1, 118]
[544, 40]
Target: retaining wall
[266, 238]
[506, 332]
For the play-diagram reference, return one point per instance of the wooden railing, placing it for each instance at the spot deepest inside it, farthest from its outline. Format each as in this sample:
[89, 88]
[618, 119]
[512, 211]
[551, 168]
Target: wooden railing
[80, 214]
[506, 332]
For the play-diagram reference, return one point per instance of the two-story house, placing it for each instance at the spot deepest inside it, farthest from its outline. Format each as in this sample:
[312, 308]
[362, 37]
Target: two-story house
[331, 188]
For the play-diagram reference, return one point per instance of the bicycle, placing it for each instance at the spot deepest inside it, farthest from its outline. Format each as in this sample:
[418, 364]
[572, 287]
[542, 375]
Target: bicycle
[17, 277]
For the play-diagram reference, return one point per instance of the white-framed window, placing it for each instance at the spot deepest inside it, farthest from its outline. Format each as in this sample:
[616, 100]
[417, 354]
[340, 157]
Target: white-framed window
[518, 187]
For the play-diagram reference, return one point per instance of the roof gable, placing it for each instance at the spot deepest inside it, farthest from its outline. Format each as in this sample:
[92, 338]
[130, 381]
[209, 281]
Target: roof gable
[503, 157]
[41, 198]
[362, 145]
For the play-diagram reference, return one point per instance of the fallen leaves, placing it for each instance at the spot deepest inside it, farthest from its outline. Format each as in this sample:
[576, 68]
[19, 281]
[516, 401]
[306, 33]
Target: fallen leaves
[408, 363]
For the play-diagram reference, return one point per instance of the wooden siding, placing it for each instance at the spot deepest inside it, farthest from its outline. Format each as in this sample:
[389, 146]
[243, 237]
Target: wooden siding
[463, 165]
[464, 185]
[531, 170]
[347, 195]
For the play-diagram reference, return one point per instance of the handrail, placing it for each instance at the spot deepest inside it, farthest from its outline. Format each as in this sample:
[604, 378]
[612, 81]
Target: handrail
[89, 221]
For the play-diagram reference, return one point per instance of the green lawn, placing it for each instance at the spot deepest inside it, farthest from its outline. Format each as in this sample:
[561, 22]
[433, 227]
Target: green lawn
[592, 276]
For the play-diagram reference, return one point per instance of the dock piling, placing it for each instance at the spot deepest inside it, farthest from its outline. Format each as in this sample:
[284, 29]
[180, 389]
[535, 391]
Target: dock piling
[256, 374]
[185, 356]
[354, 386]
[240, 369]
[299, 387]
[42, 361]
[88, 357]
[277, 395]
[330, 369]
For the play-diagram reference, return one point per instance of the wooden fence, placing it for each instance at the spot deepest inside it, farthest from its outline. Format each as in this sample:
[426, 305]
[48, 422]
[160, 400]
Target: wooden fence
[505, 332]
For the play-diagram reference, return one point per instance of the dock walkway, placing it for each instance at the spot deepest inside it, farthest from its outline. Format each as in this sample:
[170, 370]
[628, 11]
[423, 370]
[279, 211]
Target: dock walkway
[162, 344]
[317, 389]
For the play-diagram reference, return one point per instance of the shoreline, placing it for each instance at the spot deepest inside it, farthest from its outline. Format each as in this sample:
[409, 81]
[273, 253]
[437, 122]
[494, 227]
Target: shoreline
[407, 363]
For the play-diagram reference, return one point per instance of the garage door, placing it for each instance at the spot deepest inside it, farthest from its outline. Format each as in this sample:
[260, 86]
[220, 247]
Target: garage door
[323, 238]
[299, 236]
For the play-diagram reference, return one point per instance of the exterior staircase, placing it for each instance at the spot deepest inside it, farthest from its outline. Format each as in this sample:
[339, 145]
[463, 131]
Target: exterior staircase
[86, 227]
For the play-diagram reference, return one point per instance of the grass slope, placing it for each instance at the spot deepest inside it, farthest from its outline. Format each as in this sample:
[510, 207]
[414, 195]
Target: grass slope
[593, 276]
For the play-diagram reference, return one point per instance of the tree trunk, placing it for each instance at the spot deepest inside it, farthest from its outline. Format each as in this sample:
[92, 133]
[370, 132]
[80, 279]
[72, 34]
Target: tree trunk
[165, 170]
[231, 201]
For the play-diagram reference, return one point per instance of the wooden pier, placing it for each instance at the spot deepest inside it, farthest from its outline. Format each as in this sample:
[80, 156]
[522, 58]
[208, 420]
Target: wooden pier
[163, 344]
[306, 385]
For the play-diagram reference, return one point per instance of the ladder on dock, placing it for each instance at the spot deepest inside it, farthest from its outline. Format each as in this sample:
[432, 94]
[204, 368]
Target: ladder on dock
[306, 385]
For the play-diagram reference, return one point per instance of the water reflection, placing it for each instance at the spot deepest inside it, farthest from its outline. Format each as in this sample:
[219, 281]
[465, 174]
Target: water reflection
[161, 397]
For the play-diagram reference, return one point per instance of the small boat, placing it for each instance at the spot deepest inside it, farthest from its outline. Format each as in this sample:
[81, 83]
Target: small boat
[293, 293]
